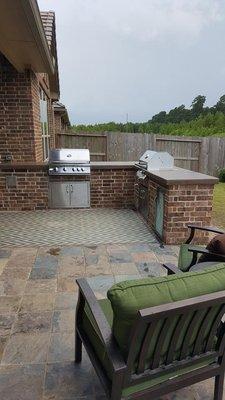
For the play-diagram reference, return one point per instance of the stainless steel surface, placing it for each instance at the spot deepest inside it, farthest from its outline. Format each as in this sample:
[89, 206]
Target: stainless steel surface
[155, 160]
[143, 202]
[69, 162]
[69, 194]
[69, 170]
[78, 156]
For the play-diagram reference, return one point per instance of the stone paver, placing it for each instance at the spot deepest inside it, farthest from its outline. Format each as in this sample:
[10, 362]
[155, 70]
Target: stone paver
[38, 297]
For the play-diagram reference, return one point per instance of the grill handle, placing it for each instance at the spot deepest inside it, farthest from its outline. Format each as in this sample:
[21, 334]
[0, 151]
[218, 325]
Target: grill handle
[67, 188]
[71, 188]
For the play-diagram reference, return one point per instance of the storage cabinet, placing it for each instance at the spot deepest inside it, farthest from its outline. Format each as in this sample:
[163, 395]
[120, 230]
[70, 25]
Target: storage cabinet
[69, 194]
[159, 215]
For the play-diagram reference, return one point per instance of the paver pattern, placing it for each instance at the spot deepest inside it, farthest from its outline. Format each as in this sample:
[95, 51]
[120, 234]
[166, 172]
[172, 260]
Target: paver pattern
[38, 296]
[88, 226]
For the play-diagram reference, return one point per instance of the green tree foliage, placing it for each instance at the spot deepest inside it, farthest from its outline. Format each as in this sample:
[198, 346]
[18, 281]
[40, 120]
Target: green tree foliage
[196, 121]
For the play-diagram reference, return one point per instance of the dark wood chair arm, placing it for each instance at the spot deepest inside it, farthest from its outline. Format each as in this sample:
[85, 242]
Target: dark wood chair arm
[104, 328]
[193, 227]
[172, 269]
[202, 250]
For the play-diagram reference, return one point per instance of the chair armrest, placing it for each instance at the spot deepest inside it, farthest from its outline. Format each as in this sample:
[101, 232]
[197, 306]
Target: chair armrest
[105, 331]
[193, 227]
[202, 250]
[172, 269]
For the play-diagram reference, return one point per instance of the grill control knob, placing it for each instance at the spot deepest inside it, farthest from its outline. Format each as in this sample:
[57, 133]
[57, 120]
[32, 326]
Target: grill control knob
[73, 169]
[78, 169]
[56, 169]
[64, 169]
[82, 169]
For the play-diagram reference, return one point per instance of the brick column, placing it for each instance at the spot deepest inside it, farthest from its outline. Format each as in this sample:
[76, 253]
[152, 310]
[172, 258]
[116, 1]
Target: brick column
[183, 204]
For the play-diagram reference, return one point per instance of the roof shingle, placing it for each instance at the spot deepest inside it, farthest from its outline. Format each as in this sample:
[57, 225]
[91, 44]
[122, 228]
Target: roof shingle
[48, 20]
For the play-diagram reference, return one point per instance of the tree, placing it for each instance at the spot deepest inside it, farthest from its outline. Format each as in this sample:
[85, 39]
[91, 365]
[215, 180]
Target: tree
[220, 105]
[197, 105]
[160, 117]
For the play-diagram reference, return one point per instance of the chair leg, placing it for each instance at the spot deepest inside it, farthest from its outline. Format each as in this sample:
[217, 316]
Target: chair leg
[78, 348]
[218, 390]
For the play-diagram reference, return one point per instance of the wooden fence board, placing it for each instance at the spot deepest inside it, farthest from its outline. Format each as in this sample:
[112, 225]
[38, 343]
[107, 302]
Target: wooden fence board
[203, 154]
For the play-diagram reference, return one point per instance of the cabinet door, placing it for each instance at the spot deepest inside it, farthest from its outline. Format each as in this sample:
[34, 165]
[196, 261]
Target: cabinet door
[80, 194]
[60, 195]
[159, 212]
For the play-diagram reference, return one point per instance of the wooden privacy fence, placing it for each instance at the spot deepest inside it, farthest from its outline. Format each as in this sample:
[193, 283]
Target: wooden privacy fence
[203, 154]
[96, 143]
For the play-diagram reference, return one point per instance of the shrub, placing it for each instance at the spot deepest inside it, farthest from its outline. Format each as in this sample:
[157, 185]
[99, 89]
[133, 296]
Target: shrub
[221, 175]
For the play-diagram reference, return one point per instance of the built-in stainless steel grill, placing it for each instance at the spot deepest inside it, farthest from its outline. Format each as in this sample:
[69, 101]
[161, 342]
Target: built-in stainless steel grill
[151, 161]
[69, 162]
[155, 160]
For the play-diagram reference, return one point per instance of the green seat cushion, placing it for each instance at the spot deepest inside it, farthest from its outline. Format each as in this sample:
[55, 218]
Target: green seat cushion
[185, 257]
[130, 296]
[90, 327]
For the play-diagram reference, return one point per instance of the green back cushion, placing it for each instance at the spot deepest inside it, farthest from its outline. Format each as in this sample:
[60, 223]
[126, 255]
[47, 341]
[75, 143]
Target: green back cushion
[185, 257]
[130, 296]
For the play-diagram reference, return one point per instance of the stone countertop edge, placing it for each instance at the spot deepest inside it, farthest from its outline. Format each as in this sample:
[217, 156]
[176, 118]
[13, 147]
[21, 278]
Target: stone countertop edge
[44, 166]
[112, 164]
[180, 176]
[165, 177]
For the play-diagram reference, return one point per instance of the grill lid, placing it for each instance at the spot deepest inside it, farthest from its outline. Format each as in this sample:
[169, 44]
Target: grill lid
[151, 160]
[69, 156]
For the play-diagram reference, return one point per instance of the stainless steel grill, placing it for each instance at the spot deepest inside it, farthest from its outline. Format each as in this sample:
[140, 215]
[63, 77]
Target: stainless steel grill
[69, 162]
[155, 160]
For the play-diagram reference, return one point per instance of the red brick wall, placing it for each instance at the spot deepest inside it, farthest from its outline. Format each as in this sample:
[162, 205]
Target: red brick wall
[20, 130]
[109, 188]
[112, 188]
[31, 192]
[183, 204]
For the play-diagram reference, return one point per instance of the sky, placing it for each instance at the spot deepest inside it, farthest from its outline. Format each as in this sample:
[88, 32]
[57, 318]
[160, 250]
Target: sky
[137, 57]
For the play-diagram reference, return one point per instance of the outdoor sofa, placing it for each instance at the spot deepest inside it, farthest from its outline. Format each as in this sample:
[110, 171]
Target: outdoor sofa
[155, 335]
[191, 256]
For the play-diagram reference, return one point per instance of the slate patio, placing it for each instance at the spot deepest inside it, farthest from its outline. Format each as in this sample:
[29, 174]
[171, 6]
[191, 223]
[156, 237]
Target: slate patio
[38, 296]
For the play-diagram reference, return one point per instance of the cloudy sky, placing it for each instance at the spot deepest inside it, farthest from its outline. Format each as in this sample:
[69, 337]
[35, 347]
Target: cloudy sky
[137, 57]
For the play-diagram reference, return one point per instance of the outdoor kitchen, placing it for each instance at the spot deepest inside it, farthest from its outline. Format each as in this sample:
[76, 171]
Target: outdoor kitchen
[165, 196]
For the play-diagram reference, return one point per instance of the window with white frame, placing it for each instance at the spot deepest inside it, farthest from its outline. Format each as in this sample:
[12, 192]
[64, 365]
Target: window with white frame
[44, 123]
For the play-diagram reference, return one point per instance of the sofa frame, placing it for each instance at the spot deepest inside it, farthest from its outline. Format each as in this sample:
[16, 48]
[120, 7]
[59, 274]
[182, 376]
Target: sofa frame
[122, 370]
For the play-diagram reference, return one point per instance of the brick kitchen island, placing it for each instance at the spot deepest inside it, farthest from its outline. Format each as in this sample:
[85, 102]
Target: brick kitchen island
[175, 197]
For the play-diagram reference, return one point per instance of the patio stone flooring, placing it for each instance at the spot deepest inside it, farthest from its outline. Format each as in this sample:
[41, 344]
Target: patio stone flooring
[38, 296]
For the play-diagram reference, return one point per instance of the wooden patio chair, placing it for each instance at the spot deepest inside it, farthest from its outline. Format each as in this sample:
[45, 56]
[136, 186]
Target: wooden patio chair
[170, 346]
[189, 254]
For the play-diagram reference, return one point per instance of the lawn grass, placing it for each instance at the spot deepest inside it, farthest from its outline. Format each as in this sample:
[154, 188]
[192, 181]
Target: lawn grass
[218, 215]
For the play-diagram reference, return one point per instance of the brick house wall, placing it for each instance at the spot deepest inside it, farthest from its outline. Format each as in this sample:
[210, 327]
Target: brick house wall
[19, 114]
[20, 128]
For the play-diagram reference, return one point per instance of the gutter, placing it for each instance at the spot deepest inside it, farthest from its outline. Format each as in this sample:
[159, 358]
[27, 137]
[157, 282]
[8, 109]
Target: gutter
[31, 10]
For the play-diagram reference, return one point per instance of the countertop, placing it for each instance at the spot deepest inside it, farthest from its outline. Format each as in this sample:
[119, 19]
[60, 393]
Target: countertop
[165, 177]
[181, 176]
[112, 164]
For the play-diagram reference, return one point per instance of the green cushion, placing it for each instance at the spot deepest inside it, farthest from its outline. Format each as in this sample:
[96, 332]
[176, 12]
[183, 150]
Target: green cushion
[91, 329]
[185, 257]
[130, 296]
